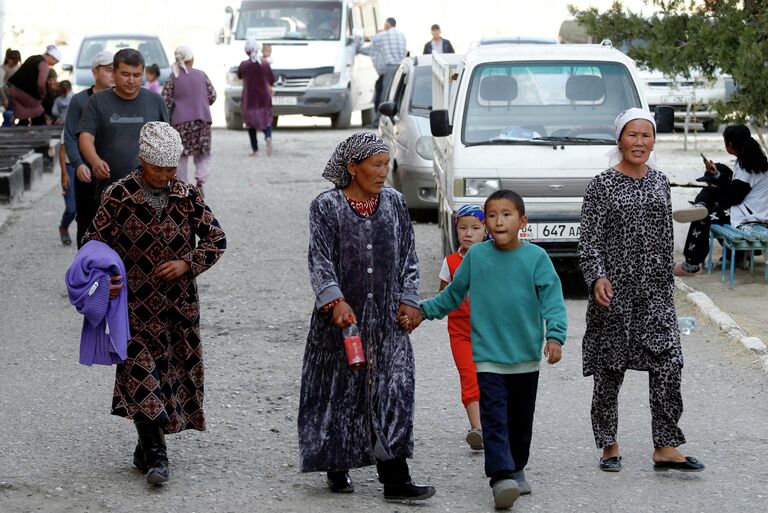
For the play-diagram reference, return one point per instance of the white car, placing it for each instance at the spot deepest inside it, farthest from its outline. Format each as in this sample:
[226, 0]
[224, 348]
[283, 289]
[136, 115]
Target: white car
[537, 119]
[404, 126]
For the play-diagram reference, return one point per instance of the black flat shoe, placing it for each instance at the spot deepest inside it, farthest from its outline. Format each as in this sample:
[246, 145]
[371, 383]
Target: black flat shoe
[340, 482]
[690, 464]
[610, 464]
[409, 491]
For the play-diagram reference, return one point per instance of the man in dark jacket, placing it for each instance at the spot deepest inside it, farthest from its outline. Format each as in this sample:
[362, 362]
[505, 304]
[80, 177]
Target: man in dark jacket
[437, 44]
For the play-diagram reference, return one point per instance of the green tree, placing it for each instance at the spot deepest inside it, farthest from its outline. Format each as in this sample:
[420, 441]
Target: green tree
[707, 37]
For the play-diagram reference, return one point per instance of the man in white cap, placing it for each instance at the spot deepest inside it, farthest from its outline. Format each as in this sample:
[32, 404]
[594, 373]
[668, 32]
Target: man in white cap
[101, 67]
[28, 86]
[109, 127]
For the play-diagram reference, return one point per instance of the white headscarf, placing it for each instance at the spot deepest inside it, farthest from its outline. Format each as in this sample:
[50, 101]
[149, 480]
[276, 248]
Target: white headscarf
[614, 155]
[182, 55]
[253, 49]
[53, 52]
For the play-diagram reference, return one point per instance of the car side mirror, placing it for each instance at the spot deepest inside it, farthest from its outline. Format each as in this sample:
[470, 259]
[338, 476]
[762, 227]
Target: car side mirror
[67, 67]
[438, 123]
[665, 119]
[388, 109]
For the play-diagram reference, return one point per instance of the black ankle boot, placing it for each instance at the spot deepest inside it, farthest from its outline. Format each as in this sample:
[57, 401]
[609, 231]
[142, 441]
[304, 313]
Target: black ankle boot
[152, 447]
[138, 458]
[340, 482]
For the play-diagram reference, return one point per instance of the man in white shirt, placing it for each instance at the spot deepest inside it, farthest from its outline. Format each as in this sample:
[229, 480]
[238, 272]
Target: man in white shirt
[387, 49]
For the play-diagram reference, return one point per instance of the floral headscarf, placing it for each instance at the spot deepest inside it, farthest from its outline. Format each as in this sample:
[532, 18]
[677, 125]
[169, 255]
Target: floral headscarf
[356, 147]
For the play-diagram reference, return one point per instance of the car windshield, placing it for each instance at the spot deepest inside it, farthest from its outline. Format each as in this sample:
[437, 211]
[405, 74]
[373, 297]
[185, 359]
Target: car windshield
[546, 102]
[149, 47]
[421, 92]
[290, 20]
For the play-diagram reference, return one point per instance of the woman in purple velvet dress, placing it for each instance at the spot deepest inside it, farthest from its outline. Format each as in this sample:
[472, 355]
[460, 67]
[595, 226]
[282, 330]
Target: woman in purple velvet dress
[256, 103]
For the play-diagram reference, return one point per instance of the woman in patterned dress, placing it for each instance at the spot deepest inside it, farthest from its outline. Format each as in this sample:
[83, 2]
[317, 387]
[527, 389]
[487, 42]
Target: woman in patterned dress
[188, 95]
[626, 256]
[364, 270]
[151, 219]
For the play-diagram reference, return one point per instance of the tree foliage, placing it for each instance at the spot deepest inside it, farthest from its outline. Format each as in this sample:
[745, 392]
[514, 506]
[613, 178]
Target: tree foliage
[690, 37]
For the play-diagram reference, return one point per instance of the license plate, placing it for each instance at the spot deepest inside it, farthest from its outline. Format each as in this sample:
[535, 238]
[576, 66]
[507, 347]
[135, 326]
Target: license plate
[284, 100]
[676, 99]
[550, 231]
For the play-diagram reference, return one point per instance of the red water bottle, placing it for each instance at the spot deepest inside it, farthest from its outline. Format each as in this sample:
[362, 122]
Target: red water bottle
[353, 345]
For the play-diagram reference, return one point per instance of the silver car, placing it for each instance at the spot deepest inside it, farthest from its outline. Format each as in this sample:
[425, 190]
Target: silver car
[149, 46]
[404, 126]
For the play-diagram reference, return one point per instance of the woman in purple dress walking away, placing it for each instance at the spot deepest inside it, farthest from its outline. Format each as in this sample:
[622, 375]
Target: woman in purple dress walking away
[256, 103]
[188, 95]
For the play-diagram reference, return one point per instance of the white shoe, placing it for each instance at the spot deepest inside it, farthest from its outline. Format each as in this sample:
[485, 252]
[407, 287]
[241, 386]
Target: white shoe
[505, 493]
[475, 439]
[691, 214]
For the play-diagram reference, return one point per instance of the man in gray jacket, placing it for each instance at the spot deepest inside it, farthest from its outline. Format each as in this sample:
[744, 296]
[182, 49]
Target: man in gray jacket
[101, 67]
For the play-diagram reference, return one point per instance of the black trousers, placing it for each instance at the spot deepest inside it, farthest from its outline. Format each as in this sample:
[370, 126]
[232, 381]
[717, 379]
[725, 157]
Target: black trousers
[697, 241]
[507, 405]
[391, 472]
[86, 204]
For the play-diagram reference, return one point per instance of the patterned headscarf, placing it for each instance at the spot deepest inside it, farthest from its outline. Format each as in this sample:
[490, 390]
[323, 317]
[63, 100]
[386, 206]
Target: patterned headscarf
[470, 211]
[253, 49]
[160, 144]
[614, 155]
[356, 147]
[183, 54]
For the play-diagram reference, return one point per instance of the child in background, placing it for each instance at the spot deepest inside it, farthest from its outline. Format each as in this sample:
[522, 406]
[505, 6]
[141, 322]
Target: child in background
[152, 73]
[470, 229]
[61, 103]
[515, 293]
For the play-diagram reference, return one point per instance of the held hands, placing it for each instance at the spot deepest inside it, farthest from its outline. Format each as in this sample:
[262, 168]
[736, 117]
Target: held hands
[171, 270]
[343, 315]
[116, 283]
[603, 292]
[409, 317]
[553, 352]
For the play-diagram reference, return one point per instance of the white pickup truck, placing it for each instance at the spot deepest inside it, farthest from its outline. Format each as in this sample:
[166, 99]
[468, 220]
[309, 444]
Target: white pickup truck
[537, 119]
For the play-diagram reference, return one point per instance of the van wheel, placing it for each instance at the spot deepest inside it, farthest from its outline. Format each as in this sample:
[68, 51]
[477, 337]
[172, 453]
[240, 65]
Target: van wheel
[711, 126]
[234, 121]
[367, 116]
[274, 121]
[342, 118]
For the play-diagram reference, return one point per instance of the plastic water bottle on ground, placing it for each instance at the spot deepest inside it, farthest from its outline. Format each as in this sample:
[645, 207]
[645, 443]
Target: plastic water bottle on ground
[686, 325]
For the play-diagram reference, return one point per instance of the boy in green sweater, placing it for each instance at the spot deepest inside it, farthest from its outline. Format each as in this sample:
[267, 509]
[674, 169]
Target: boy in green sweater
[515, 292]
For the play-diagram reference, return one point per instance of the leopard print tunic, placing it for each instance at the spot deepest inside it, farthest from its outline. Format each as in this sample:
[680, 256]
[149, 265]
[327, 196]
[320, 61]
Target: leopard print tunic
[627, 236]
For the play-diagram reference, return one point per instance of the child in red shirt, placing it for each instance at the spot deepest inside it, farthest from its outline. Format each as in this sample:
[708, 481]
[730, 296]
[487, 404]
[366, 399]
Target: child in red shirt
[470, 228]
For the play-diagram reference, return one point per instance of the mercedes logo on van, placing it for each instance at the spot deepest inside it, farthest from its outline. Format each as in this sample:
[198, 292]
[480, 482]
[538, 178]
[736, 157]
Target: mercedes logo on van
[280, 81]
[555, 187]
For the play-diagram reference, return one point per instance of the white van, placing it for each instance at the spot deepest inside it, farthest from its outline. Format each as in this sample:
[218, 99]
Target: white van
[316, 69]
[537, 119]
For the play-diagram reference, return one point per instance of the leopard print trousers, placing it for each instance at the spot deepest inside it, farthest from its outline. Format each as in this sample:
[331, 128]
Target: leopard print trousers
[666, 401]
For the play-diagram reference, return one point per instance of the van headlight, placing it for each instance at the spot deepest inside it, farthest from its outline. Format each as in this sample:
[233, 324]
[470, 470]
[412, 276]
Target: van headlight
[232, 79]
[481, 186]
[325, 80]
[424, 147]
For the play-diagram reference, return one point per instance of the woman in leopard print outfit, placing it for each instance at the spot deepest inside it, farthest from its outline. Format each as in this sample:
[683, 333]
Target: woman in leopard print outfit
[626, 256]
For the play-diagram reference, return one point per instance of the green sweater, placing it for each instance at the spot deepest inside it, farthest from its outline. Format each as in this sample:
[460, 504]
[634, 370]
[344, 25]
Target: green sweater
[513, 293]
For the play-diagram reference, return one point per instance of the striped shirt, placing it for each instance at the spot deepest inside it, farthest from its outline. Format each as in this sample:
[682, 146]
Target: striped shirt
[387, 48]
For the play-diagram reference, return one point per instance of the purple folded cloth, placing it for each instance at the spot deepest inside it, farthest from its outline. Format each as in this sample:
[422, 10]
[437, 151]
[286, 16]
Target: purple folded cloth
[106, 330]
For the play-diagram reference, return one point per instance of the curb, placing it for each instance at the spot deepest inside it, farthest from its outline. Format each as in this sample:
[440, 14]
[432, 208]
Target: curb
[725, 322]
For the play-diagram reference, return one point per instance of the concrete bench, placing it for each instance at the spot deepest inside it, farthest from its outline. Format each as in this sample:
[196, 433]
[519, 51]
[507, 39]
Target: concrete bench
[11, 181]
[45, 140]
[31, 162]
[750, 238]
